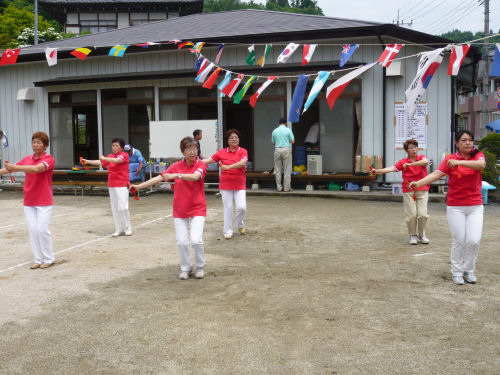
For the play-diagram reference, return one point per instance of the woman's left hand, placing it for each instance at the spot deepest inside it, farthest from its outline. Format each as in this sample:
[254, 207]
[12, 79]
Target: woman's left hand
[224, 167]
[9, 166]
[453, 163]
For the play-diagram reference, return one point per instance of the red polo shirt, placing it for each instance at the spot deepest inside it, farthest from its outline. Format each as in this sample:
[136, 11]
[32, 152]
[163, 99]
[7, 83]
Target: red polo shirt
[189, 196]
[464, 184]
[118, 172]
[413, 173]
[232, 179]
[38, 186]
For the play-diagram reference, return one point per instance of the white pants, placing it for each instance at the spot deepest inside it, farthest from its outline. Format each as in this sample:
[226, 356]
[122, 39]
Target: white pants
[416, 212]
[466, 226]
[240, 201]
[183, 239]
[38, 220]
[118, 197]
[283, 161]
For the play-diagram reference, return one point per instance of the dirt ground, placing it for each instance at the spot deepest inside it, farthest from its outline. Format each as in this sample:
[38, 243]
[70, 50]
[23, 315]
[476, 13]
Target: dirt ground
[317, 286]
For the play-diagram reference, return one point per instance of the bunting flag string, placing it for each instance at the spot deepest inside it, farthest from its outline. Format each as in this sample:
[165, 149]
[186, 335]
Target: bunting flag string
[118, 51]
[316, 88]
[240, 94]
[287, 52]
[390, 52]
[335, 89]
[211, 80]
[224, 83]
[81, 53]
[232, 86]
[307, 53]
[254, 97]
[219, 53]
[347, 51]
[51, 56]
[251, 55]
[298, 98]
[457, 58]
[202, 76]
[495, 66]
[263, 59]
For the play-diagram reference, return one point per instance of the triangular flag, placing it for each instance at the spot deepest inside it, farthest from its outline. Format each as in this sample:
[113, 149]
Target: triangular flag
[335, 89]
[198, 46]
[219, 53]
[118, 50]
[307, 53]
[224, 83]
[182, 45]
[316, 88]
[201, 77]
[262, 60]
[9, 56]
[251, 55]
[240, 94]
[390, 52]
[427, 66]
[298, 98]
[211, 80]
[287, 52]
[495, 66]
[457, 58]
[347, 51]
[231, 87]
[254, 97]
[80, 53]
[51, 56]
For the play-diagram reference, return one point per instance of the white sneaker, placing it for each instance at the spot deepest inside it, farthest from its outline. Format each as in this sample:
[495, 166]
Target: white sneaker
[470, 277]
[116, 234]
[413, 240]
[228, 236]
[423, 240]
[184, 275]
[200, 273]
[458, 279]
[128, 232]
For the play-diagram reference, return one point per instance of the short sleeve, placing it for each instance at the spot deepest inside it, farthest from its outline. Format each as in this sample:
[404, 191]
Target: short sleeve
[140, 157]
[104, 163]
[124, 157]
[202, 168]
[272, 138]
[244, 154]
[216, 157]
[292, 138]
[479, 156]
[22, 161]
[399, 165]
[171, 169]
[49, 164]
[443, 167]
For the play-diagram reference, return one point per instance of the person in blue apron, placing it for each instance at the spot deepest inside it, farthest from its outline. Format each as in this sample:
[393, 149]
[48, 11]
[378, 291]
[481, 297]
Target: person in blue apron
[136, 164]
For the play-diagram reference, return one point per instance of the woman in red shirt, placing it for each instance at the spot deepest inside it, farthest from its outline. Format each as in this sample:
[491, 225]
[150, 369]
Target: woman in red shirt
[233, 183]
[117, 164]
[464, 204]
[414, 167]
[38, 198]
[190, 206]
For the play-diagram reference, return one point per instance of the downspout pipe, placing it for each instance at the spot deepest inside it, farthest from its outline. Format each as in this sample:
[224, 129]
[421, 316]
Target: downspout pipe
[383, 110]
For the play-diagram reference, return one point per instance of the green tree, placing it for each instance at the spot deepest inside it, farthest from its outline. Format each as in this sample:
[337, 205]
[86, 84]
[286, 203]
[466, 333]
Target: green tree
[293, 6]
[491, 143]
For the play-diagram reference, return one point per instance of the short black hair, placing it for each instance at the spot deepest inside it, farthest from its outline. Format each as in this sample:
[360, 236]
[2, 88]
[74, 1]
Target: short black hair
[196, 132]
[282, 120]
[118, 140]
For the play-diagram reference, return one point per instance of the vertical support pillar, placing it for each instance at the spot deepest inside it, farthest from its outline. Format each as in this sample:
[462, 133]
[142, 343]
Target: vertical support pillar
[288, 101]
[157, 103]
[99, 123]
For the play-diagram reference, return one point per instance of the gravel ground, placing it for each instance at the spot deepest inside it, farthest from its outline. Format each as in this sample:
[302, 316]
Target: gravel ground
[317, 286]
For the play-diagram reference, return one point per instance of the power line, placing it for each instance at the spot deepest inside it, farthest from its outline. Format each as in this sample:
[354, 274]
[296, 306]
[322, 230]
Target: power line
[466, 11]
[440, 18]
[427, 9]
[407, 14]
[452, 15]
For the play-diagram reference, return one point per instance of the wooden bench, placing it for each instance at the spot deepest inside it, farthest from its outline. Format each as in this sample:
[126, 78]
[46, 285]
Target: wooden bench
[80, 179]
[82, 185]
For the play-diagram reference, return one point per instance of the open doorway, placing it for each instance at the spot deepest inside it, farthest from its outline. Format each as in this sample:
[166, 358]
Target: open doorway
[85, 136]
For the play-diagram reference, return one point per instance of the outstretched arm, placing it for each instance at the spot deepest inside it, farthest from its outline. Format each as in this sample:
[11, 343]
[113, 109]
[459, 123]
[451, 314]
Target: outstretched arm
[427, 180]
[385, 170]
[39, 168]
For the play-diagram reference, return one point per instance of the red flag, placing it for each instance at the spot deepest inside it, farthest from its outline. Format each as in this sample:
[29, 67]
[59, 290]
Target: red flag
[457, 58]
[307, 53]
[254, 97]
[211, 80]
[80, 53]
[335, 89]
[232, 86]
[390, 52]
[9, 56]
[182, 45]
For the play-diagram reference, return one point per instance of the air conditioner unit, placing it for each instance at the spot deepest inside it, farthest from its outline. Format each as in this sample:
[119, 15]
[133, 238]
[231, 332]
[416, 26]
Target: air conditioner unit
[27, 93]
[314, 164]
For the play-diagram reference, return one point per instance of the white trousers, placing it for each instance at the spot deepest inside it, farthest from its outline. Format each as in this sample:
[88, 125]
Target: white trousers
[240, 201]
[466, 226]
[38, 220]
[283, 162]
[416, 212]
[118, 197]
[196, 239]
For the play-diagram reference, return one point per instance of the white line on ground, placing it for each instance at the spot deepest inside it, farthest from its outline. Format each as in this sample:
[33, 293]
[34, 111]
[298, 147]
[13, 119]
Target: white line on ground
[85, 243]
[24, 223]
[421, 255]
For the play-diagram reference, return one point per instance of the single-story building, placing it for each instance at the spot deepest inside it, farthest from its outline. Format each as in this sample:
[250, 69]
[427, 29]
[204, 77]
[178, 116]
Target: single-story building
[82, 105]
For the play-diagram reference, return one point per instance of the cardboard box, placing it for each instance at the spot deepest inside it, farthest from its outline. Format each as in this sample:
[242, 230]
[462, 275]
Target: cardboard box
[363, 163]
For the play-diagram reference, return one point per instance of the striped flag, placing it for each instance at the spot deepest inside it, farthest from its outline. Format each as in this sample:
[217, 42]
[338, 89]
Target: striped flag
[254, 97]
[118, 50]
[390, 52]
[287, 52]
[335, 89]
[240, 94]
[201, 77]
[224, 83]
[219, 53]
[262, 60]
[147, 44]
[202, 67]
[231, 87]
[316, 88]
[182, 45]
[307, 53]
[298, 98]
[251, 56]
[457, 58]
[211, 80]
[80, 53]
[197, 64]
[198, 46]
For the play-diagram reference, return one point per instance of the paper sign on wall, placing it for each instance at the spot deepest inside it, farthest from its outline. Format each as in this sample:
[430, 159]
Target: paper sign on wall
[407, 127]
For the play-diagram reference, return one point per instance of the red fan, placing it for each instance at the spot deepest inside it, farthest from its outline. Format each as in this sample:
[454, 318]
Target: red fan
[133, 191]
[83, 162]
[10, 175]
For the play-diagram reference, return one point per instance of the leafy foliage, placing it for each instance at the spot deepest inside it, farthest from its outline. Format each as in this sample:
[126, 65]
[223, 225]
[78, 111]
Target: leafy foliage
[491, 143]
[490, 172]
[292, 6]
[27, 36]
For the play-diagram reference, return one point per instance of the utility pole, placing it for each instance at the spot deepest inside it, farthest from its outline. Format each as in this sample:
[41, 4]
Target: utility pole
[402, 23]
[486, 70]
[36, 22]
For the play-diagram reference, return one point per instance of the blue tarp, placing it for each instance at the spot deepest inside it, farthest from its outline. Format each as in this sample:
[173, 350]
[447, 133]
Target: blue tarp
[494, 126]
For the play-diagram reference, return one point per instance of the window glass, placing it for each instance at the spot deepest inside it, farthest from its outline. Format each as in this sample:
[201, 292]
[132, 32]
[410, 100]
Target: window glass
[61, 135]
[83, 96]
[173, 93]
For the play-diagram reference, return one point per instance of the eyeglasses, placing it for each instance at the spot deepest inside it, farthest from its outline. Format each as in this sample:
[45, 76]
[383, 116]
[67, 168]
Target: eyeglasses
[191, 150]
[232, 138]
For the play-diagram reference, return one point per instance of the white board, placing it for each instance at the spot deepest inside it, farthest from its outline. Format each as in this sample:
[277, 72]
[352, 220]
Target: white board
[410, 127]
[165, 137]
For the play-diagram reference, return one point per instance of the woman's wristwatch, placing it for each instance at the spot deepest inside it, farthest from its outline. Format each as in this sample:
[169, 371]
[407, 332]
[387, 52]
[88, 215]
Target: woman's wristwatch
[179, 176]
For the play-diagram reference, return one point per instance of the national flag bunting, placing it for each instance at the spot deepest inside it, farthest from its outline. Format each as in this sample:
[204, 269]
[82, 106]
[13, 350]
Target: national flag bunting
[202, 75]
[457, 58]
[197, 64]
[427, 66]
[224, 83]
[81, 53]
[251, 55]
[347, 51]
[51, 56]
[298, 98]
[316, 88]
[495, 66]
[231, 87]
[182, 45]
[202, 67]
[147, 44]
[263, 58]
[219, 53]
[390, 52]
[240, 94]
[198, 46]
[9, 56]
[287, 52]
[335, 89]
[118, 50]
[255, 96]
[307, 53]
[211, 80]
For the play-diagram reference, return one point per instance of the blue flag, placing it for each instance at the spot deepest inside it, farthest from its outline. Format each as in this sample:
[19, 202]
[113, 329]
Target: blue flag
[347, 51]
[298, 99]
[495, 67]
[316, 88]
[198, 63]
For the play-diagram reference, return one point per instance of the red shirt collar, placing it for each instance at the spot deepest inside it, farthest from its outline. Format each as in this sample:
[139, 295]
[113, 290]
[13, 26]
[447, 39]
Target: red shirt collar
[195, 161]
[35, 158]
[229, 150]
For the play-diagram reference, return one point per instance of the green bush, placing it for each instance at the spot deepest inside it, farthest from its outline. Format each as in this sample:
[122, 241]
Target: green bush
[491, 143]
[490, 172]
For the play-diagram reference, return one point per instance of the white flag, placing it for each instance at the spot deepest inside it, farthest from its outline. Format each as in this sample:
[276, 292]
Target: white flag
[287, 52]
[427, 66]
[51, 55]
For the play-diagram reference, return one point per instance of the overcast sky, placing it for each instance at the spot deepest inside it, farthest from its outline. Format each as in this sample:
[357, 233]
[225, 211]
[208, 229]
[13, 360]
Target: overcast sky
[429, 16]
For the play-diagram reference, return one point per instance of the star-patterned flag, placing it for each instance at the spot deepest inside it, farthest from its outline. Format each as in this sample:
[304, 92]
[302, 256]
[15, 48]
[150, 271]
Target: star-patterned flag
[9, 56]
[51, 56]
[390, 52]
[347, 51]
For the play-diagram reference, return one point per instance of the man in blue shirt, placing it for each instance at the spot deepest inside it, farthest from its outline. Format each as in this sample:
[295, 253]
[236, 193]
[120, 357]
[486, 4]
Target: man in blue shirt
[282, 139]
[136, 163]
